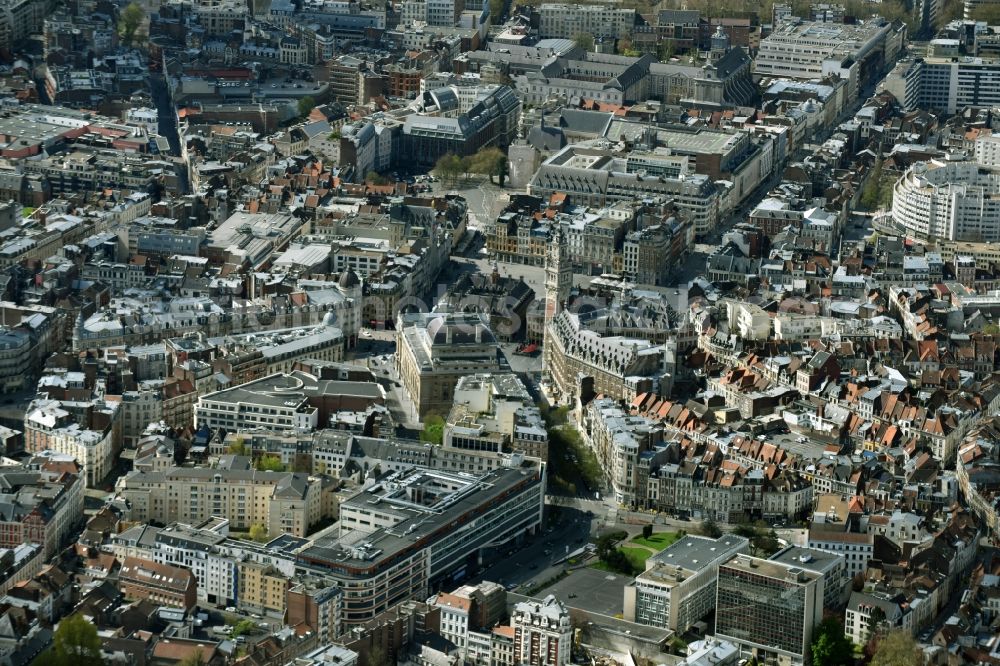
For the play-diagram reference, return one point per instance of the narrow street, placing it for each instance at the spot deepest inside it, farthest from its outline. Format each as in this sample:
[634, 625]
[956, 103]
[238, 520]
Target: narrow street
[167, 117]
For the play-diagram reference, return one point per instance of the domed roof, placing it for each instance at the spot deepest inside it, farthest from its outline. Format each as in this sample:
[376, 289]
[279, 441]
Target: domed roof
[349, 279]
[434, 325]
[330, 319]
[459, 328]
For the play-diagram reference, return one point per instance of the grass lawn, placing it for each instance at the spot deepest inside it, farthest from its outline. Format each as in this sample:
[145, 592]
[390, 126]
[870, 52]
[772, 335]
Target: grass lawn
[602, 566]
[658, 541]
[637, 557]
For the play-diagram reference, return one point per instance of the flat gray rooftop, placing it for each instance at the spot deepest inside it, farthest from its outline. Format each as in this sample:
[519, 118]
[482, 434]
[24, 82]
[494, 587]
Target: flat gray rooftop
[696, 552]
[423, 523]
[593, 590]
[809, 559]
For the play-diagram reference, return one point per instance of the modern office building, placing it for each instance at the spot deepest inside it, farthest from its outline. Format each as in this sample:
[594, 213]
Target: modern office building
[276, 401]
[678, 587]
[566, 21]
[417, 528]
[598, 177]
[296, 401]
[769, 609]
[946, 200]
[905, 83]
[858, 53]
[945, 84]
[21, 18]
[345, 76]
[987, 149]
[543, 633]
[832, 566]
[492, 121]
[434, 350]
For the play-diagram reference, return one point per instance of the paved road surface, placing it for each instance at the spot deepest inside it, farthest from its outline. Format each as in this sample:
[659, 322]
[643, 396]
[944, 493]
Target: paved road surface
[530, 564]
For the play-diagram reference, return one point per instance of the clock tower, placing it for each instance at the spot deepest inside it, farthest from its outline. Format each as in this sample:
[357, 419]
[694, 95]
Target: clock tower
[558, 282]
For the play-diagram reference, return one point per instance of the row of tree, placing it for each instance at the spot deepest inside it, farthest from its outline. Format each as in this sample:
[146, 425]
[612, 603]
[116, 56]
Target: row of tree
[489, 161]
[877, 192]
[763, 539]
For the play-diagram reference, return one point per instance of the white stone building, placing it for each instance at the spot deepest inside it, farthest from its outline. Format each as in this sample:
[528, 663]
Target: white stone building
[543, 634]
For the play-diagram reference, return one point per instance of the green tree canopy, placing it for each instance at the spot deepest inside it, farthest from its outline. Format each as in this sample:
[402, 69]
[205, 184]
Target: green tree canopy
[239, 448]
[710, 528]
[496, 11]
[258, 532]
[949, 11]
[875, 623]
[129, 21]
[306, 105]
[585, 41]
[449, 167]
[75, 643]
[830, 647]
[989, 13]
[763, 540]
[897, 648]
[871, 194]
[485, 161]
[244, 627]
[375, 178]
[612, 556]
[433, 431]
[489, 161]
[270, 463]
[766, 542]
